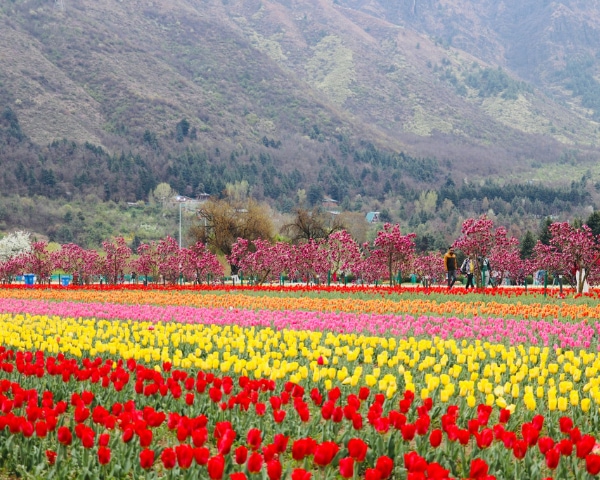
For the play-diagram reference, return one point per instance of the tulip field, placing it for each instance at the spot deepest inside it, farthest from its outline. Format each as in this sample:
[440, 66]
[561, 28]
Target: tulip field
[221, 382]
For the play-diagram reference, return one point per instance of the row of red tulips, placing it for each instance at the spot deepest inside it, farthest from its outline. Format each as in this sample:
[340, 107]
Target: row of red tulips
[304, 288]
[172, 421]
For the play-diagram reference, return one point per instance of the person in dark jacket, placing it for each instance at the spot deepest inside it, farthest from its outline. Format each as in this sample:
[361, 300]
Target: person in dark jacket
[450, 266]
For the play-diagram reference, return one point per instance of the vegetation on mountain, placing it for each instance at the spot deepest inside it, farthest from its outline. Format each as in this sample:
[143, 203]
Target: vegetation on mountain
[376, 105]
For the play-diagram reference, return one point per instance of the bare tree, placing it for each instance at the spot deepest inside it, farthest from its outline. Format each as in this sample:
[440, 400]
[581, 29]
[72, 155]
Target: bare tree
[312, 224]
[222, 222]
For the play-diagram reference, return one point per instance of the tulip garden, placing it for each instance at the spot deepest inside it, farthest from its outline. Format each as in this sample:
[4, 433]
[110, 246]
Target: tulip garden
[225, 382]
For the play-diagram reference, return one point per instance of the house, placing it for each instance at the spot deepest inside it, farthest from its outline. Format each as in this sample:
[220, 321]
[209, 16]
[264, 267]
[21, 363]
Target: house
[329, 203]
[372, 217]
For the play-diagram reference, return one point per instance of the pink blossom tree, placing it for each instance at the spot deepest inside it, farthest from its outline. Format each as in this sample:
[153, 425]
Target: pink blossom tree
[147, 262]
[169, 261]
[505, 256]
[76, 261]
[10, 268]
[309, 260]
[477, 241]
[260, 259]
[197, 262]
[429, 267]
[38, 261]
[571, 250]
[344, 252]
[393, 250]
[115, 260]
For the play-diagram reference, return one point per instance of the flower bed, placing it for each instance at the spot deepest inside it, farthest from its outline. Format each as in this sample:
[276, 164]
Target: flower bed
[126, 389]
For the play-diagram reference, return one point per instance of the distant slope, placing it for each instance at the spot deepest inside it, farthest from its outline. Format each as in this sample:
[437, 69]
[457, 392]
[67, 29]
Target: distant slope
[287, 94]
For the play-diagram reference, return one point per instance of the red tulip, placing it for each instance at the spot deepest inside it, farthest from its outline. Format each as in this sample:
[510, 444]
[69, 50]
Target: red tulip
[520, 449]
[215, 467]
[241, 455]
[585, 446]
[545, 444]
[199, 436]
[408, 431]
[385, 465]
[347, 467]
[363, 393]
[51, 456]
[128, 433]
[436, 471]
[168, 458]
[146, 459]
[504, 415]
[41, 429]
[145, 437]
[201, 455]
[435, 438]
[372, 474]
[357, 449]
[592, 464]
[530, 434]
[485, 438]
[280, 441]
[552, 458]
[274, 469]
[103, 439]
[357, 421]
[64, 436]
[413, 462]
[254, 438]
[185, 455]
[301, 474]
[87, 438]
[479, 469]
[279, 415]
[566, 447]
[255, 462]
[303, 447]
[27, 429]
[103, 455]
[238, 476]
[565, 424]
[324, 453]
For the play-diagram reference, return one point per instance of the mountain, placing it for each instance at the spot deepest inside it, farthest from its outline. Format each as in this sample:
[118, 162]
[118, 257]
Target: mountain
[367, 101]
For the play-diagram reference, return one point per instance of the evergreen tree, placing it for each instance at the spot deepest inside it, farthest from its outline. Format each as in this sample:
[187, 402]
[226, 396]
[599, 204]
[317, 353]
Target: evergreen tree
[545, 235]
[593, 222]
[527, 244]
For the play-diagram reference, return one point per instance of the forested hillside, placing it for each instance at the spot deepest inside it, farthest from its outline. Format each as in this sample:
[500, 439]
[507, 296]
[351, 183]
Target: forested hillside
[378, 105]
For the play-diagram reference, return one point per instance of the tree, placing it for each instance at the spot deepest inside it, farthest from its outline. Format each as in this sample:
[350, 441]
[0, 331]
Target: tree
[393, 250]
[545, 235]
[344, 252]
[430, 267]
[260, 259]
[38, 261]
[593, 222]
[571, 250]
[169, 263]
[309, 260]
[527, 245]
[198, 262]
[223, 222]
[477, 241]
[162, 193]
[116, 259]
[315, 224]
[14, 244]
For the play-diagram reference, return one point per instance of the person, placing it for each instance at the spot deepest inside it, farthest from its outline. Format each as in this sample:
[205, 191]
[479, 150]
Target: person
[468, 268]
[450, 266]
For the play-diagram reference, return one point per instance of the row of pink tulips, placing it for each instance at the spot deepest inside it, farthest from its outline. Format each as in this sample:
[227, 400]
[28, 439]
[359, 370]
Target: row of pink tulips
[546, 333]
